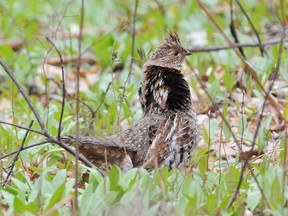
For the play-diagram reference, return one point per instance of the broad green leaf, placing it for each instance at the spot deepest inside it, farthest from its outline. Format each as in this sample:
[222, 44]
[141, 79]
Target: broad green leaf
[95, 177]
[114, 175]
[59, 179]
[19, 205]
[253, 197]
[86, 201]
[57, 196]
[203, 164]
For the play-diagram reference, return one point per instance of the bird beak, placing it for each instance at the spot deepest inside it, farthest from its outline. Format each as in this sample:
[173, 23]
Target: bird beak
[188, 53]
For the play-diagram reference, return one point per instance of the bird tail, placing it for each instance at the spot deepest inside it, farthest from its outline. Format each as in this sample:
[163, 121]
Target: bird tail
[100, 151]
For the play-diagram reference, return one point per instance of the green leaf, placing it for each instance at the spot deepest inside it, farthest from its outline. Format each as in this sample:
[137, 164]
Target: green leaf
[8, 198]
[213, 125]
[129, 178]
[229, 80]
[86, 200]
[6, 52]
[253, 198]
[285, 114]
[203, 164]
[19, 205]
[95, 177]
[57, 196]
[32, 207]
[114, 175]
[211, 203]
[261, 65]
[59, 179]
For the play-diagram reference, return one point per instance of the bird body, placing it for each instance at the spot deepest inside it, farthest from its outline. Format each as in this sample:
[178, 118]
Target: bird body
[167, 133]
[128, 145]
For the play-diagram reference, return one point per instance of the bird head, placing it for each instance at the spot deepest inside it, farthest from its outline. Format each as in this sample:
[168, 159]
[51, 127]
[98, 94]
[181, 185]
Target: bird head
[169, 54]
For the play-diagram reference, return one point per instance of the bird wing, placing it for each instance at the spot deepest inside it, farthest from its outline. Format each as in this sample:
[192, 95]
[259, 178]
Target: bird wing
[134, 141]
[138, 134]
[174, 142]
[97, 150]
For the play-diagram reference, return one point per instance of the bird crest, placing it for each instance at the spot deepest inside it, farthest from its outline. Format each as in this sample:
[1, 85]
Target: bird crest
[169, 53]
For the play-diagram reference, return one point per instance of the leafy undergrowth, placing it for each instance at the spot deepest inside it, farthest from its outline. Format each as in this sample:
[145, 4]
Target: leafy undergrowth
[235, 118]
[139, 193]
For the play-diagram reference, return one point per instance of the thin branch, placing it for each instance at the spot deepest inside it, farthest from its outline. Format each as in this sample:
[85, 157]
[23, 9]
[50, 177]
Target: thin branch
[17, 154]
[22, 127]
[70, 95]
[233, 29]
[237, 45]
[63, 87]
[102, 100]
[25, 148]
[70, 59]
[262, 50]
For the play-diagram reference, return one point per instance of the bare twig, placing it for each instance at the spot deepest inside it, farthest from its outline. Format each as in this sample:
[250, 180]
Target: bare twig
[233, 29]
[63, 87]
[22, 127]
[24, 148]
[72, 96]
[17, 154]
[70, 59]
[102, 100]
[262, 50]
[91, 110]
[219, 48]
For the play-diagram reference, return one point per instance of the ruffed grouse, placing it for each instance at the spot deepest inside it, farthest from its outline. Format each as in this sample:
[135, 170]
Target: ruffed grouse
[167, 133]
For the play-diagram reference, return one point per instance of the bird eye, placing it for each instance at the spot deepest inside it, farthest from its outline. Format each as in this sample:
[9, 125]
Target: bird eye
[176, 53]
